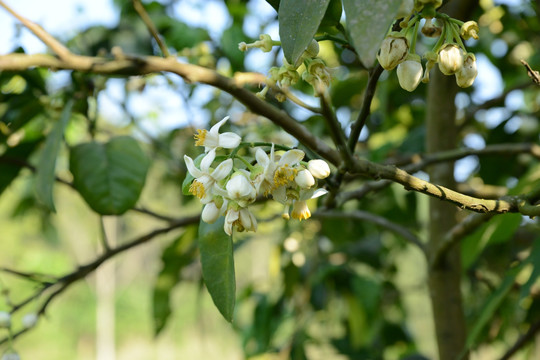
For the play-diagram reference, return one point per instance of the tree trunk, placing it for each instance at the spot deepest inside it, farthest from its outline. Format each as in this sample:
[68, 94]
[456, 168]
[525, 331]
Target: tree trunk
[445, 279]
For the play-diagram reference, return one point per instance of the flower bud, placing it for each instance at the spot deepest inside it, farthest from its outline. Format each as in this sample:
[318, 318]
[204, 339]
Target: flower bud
[450, 59]
[318, 168]
[5, 319]
[210, 213]
[469, 30]
[431, 30]
[465, 77]
[409, 74]
[247, 220]
[393, 50]
[240, 189]
[304, 179]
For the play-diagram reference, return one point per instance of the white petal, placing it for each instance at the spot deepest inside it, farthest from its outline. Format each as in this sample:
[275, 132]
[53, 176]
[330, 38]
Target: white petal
[207, 161]
[229, 140]
[319, 192]
[214, 130]
[196, 173]
[230, 218]
[262, 158]
[223, 170]
[291, 157]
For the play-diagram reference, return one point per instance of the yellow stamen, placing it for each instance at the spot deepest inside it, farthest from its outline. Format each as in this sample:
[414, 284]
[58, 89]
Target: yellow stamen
[284, 175]
[301, 215]
[197, 189]
[200, 137]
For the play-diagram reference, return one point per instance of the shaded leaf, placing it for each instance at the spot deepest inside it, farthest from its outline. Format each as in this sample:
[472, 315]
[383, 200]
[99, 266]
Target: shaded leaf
[47, 163]
[11, 160]
[298, 23]
[110, 176]
[175, 257]
[368, 22]
[217, 260]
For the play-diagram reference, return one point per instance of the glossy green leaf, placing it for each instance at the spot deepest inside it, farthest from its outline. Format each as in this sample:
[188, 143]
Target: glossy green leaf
[45, 176]
[217, 260]
[298, 23]
[368, 22]
[110, 176]
[12, 158]
[175, 257]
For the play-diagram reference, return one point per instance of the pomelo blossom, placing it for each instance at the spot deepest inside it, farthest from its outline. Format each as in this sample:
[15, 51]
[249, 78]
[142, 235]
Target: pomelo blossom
[206, 178]
[214, 140]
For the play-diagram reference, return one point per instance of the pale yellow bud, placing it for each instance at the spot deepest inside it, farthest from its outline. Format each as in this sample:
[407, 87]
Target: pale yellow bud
[450, 59]
[394, 49]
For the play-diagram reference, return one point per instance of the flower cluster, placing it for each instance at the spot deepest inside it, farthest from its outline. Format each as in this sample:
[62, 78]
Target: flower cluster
[316, 73]
[398, 48]
[227, 188]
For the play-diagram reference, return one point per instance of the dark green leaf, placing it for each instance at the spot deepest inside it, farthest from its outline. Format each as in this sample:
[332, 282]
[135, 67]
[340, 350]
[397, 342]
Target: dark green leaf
[110, 176]
[175, 257]
[47, 163]
[12, 160]
[368, 22]
[217, 260]
[229, 43]
[298, 23]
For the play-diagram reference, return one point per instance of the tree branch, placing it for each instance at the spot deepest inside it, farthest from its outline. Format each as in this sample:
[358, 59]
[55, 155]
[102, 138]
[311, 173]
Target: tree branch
[64, 282]
[522, 341]
[151, 27]
[533, 74]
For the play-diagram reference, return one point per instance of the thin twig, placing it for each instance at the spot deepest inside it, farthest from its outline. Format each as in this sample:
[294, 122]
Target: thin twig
[533, 74]
[82, 271]
[464, 228]
[58, 48]
[366, 106]
[151, 27]
[378, 220]
[336, 132]
[522, 341]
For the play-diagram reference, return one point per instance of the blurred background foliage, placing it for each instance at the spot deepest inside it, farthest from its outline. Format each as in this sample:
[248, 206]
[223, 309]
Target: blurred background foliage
[326, 288]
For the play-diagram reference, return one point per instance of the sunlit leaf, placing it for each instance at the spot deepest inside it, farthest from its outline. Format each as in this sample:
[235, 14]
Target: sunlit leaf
[110, 176]
[45, 175]
[217, 260]
[368, 22]
[298, 23]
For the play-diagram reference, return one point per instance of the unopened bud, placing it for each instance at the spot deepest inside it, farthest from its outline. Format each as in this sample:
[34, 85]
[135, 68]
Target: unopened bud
[431, 30]
[319, 168]
[394, 49]
[304, 179]
[450, 59]
[210, 213]
[465, 77]
[409, 74]
[405, 9]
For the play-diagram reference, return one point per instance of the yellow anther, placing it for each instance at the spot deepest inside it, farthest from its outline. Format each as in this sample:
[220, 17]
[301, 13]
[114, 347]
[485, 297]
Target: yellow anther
[197, 189]
[200, 137]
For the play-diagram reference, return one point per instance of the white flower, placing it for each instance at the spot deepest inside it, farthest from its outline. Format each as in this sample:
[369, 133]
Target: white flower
[205, 184]
[319, 168]
[29, 320]
[285, 170]
[304, 179]
[5, 319]
[213, 139]
[297, 199]
[450, 59]
[240, 189]
[242, 218]
[264, 178]
[409, 74]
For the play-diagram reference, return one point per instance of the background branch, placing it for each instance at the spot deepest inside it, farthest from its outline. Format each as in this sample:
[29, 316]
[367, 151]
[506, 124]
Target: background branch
[151, 27]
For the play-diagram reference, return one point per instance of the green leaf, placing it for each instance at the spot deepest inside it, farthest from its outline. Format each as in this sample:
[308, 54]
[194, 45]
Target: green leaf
[368, 22]
[298, 23]
[110, 176]
[12, 158]
[217, 259]
[176, 256]
[47, 163]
